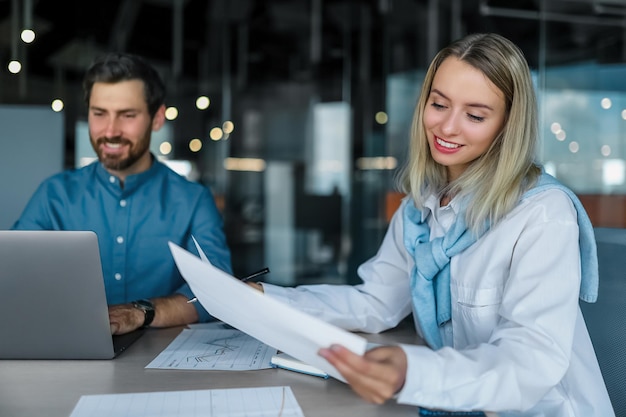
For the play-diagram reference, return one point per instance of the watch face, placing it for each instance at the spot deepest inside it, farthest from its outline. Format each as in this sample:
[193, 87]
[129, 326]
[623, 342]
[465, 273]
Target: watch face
[144, 305]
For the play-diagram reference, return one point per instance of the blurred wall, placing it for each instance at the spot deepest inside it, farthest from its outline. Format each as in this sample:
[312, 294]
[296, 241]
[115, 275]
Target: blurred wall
[32, 148]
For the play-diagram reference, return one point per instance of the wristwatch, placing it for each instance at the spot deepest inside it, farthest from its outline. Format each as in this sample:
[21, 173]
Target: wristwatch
[148, 310]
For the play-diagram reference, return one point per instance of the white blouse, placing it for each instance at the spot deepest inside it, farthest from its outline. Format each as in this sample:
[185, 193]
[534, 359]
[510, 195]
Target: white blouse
[517, 343]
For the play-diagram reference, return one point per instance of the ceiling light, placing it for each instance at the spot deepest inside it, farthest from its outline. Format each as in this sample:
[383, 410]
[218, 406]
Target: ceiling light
[27, 36]
[15, 67]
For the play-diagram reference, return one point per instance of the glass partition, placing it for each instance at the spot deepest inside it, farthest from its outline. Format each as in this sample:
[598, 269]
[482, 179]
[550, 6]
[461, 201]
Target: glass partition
[319, 109]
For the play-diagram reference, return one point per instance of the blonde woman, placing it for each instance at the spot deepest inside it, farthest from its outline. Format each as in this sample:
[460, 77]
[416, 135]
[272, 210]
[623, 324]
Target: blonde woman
[488, 253]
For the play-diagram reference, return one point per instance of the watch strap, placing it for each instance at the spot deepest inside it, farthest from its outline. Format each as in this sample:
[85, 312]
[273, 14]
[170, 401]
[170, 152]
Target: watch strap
[148, 309]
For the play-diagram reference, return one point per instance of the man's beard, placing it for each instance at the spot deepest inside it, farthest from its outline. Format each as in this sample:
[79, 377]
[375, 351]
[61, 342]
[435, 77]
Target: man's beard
[119, 162]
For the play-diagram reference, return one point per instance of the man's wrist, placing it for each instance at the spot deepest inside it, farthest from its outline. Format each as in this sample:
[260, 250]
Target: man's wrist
[147, 307]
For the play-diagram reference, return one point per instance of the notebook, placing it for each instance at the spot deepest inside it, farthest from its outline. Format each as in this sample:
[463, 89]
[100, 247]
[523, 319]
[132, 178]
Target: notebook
[52, 298]
[285, 361]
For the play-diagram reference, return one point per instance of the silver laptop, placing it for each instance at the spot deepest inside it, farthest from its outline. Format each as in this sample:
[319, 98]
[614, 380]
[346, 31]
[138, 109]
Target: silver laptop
[52, 299]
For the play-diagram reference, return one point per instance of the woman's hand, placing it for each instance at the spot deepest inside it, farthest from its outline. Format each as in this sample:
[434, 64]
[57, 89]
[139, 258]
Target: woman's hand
[376, 376]
[256, 286]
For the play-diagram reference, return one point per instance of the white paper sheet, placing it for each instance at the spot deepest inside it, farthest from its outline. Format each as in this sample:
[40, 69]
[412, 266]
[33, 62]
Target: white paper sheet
[242, 402]
[270, 321]
[215, 348]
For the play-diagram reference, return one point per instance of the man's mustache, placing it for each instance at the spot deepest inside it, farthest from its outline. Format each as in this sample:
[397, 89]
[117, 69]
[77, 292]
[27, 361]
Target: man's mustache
[115, 140]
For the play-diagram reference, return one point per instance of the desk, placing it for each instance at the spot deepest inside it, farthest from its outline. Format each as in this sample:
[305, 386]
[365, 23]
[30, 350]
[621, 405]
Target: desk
[35, 388]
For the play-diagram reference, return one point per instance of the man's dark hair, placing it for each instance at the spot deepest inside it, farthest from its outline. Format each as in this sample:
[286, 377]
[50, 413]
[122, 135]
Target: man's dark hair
[116, 67]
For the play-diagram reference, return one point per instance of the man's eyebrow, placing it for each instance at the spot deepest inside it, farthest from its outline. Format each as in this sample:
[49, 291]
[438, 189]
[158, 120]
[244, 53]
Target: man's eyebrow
[129, 110]
[478, 105]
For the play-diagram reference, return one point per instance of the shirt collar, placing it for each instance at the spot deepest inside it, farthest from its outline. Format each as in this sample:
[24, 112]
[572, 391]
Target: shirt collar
[432, 204]
[132, 182]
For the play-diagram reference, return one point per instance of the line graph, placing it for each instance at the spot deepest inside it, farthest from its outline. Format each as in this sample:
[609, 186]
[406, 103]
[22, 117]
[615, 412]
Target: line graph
[214, 348]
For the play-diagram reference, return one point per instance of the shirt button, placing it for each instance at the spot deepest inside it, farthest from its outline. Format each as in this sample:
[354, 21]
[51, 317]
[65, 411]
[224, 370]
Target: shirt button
[120, 239]
[112, 179]
[118, 276]
[123, 203]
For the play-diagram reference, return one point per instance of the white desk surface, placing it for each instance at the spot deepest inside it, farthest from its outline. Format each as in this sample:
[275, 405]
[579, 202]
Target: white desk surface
[35, 388]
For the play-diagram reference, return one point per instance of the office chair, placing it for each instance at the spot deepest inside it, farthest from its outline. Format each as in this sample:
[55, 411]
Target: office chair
[606, 318]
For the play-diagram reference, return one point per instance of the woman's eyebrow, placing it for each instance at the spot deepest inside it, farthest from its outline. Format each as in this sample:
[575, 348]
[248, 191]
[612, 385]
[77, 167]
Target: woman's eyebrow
[478, 105]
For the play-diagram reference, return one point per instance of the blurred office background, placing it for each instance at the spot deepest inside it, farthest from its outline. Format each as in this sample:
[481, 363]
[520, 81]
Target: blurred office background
[296, 113]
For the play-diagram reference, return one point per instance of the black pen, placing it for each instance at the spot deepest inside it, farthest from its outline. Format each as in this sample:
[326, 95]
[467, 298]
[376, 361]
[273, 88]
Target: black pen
[256, 274]
[244, 279]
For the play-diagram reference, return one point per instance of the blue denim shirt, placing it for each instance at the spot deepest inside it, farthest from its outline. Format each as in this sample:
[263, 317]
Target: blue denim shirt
[134, 225]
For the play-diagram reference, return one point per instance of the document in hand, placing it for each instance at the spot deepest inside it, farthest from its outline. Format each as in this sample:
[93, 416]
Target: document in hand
[270, 321]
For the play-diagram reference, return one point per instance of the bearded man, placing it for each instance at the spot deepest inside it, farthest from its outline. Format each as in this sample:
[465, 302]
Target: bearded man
[133, 202]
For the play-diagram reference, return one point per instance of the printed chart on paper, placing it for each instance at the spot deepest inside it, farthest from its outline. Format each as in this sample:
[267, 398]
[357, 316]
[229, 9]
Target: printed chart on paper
[218, 348]
[243, 402]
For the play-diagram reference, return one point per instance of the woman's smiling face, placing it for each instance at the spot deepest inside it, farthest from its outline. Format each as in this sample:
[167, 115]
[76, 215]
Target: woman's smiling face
[464, 114]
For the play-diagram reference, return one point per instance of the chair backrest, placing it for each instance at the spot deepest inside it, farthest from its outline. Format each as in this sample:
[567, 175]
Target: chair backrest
[606, 318]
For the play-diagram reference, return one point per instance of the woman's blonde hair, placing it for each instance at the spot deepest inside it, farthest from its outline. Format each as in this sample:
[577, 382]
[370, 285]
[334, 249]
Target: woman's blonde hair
[495, 181]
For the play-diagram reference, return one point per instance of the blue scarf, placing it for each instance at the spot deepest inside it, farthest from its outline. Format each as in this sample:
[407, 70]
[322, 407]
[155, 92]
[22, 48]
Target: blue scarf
[430, 277]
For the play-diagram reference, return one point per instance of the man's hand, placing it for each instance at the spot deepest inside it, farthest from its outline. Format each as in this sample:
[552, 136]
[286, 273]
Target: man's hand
[168, 311]
[376, 376]
[125, 318]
